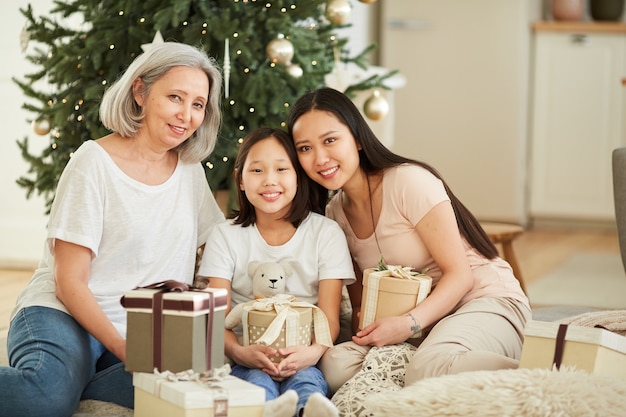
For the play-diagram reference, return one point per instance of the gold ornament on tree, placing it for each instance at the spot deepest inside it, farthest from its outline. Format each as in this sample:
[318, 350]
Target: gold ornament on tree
[294, 70]
[41, 126]
[376, 106]
[368, 1]
[280, 50]
[338, 11]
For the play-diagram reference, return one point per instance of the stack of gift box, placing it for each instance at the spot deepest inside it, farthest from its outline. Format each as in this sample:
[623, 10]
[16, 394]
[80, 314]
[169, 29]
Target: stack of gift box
[174, 330]
[175, 340]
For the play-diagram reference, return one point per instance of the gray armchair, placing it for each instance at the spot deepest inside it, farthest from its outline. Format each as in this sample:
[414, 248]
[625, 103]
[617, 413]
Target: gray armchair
[619, 197]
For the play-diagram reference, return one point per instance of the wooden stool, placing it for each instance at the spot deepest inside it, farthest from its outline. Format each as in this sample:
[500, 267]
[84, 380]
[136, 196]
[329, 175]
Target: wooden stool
[504, 234]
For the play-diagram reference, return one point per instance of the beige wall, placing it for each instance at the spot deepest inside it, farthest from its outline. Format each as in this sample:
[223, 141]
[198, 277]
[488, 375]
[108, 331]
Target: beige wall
[22, 221]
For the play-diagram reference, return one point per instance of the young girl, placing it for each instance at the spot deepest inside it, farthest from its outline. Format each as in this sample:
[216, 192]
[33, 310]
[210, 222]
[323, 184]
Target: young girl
[275, 224]
[402, 209]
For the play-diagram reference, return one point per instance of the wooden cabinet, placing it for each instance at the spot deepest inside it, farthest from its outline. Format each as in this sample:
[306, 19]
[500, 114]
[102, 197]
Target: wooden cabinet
[577, 118]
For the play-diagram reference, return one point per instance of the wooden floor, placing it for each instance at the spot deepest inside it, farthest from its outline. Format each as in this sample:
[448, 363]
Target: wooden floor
[538, 251]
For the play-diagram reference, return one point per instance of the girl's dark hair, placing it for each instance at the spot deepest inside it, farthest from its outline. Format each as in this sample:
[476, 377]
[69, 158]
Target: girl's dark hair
[302, 203]
[375, 157]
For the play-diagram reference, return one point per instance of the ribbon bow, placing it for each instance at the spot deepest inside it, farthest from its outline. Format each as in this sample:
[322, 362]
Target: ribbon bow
[209, 377]
[283, 304]
[404, 272]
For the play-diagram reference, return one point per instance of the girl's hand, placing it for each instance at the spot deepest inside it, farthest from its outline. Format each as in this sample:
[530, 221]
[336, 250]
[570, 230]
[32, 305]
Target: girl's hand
[299, 357]
[385, 331]
[257, 357]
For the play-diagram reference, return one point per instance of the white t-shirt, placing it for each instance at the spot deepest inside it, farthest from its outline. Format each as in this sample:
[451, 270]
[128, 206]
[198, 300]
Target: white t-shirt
[317, 251]
[138, 234]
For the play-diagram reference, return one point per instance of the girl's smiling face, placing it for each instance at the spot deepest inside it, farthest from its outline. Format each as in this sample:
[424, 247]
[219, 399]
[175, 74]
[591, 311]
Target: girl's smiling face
[327, 150]
[268, 178]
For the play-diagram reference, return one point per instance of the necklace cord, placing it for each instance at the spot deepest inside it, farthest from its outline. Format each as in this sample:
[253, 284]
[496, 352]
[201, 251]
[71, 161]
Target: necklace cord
[382, 261]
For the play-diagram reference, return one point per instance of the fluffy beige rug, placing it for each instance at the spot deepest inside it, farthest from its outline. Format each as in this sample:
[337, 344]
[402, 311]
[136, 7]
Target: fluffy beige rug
[93, 408]
[515, 392]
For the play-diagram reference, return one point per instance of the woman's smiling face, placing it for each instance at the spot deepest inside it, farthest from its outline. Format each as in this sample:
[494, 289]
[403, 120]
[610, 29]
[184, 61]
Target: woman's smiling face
[327, 150]
[175, 105]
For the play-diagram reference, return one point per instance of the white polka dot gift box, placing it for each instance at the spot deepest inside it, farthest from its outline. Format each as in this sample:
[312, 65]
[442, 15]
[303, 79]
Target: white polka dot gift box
[282, 321]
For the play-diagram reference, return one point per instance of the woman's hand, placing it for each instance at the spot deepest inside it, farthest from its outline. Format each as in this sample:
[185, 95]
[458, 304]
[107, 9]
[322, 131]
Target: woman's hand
[385, 331]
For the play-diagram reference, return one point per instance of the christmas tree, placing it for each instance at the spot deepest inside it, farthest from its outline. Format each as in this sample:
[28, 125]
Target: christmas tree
[270, 52]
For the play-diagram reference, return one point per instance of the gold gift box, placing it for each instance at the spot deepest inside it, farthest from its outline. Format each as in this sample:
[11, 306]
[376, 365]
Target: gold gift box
[595, 350]
[297, 329]
[385, 295]
[186, 332]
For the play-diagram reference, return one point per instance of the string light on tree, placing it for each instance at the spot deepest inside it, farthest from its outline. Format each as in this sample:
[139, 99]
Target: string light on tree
[338, 11]
[376, 106]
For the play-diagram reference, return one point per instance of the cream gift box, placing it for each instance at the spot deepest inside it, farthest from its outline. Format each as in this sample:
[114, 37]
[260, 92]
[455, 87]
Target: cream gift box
[595, 350]
[282, 321]
[155, 396]
[174, 330]
[391, 292]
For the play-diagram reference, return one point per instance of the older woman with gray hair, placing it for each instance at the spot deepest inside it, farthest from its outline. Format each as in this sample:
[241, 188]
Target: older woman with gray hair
[131, 209]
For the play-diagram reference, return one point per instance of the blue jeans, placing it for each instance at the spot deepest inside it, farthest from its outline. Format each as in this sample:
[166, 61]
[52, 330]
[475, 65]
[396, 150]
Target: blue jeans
[305, 382]
[55, 363]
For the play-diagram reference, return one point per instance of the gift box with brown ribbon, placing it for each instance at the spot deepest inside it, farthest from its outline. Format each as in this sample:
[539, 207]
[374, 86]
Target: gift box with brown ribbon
[174, 327]
[391, 292]
[552, 345]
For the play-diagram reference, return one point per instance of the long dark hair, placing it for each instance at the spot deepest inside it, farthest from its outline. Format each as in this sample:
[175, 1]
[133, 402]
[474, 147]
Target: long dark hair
[302, 203]
[375, 157]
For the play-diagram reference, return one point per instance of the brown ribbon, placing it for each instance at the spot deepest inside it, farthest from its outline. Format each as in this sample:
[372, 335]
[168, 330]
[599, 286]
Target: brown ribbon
[157, 315]
[158, 305]
[560, 346]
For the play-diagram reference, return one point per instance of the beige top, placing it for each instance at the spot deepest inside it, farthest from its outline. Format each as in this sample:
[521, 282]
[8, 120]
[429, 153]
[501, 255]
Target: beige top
[409, 193]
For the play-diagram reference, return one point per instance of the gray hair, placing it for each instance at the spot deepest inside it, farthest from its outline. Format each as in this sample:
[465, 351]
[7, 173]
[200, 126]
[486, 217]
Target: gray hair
[120, 113]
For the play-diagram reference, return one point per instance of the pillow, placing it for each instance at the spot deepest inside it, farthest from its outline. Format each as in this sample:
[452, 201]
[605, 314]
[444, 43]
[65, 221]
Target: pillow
[383, 371]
